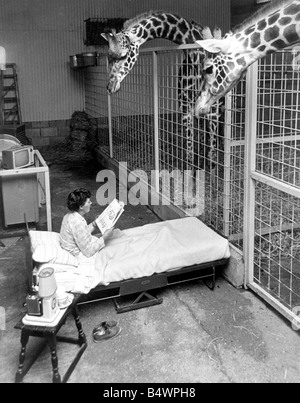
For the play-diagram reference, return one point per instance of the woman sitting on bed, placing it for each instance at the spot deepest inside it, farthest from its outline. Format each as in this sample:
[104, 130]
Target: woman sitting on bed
[75, 234]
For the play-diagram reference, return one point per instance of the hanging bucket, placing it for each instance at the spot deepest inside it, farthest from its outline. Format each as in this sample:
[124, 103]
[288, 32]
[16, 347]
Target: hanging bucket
[73, 62]
[89, 59]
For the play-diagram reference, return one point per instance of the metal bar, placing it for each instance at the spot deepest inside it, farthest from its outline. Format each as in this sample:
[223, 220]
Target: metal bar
[286, 312]
[267, 231]
[27, 171]
[276, 184]
[110, 130]
[227, 163]
[40, 160]
[267, 140]
[169, 49]
[156, 123]
[250, 165]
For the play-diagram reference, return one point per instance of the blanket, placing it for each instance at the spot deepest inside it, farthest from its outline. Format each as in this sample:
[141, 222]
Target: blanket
[144, 251]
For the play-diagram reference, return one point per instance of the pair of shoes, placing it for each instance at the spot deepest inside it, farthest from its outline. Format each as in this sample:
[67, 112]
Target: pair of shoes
[106, 333]
[105, 325]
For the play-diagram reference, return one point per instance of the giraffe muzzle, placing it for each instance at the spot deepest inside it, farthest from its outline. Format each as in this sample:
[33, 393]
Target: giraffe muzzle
[113, 86]
[202, 109]
[204, 103]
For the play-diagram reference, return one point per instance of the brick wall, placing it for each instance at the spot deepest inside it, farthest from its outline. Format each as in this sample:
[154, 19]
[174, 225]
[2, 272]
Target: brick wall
[42, 134]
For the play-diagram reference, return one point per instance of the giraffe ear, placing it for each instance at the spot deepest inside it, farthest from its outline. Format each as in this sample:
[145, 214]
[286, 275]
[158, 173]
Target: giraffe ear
[206, 33]
[214, 45]
[109, 36]
[105, 36]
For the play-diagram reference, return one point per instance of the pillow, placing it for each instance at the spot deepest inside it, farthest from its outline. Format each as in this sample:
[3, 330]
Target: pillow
[46, 248]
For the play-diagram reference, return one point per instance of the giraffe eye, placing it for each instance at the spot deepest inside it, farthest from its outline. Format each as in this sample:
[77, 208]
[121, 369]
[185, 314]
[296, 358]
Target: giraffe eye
[123, 57]
[209, 70]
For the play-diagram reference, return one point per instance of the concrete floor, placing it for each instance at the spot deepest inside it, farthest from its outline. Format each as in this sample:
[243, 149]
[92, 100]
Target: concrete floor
[196, 335]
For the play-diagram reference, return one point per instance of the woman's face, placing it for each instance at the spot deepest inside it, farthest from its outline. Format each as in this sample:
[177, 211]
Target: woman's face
[86, 207]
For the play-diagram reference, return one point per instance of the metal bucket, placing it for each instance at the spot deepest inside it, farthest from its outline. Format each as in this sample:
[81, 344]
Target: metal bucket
[73, 62]
[79, 58]
[89, 58]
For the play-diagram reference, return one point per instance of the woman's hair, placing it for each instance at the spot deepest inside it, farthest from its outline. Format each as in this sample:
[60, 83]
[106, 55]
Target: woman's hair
[77, 199]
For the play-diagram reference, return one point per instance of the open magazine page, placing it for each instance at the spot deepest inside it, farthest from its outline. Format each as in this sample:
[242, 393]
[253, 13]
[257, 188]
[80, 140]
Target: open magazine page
[110, 215]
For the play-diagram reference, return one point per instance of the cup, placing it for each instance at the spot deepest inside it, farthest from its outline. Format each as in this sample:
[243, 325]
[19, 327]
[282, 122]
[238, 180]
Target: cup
[61, 296]
[47, 282]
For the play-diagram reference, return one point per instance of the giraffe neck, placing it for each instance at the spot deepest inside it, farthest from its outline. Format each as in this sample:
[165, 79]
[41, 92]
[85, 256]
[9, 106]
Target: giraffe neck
[274, 28]
[166, 26]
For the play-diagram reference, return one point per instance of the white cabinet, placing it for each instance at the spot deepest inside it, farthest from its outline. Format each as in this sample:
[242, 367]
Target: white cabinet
[24, 191]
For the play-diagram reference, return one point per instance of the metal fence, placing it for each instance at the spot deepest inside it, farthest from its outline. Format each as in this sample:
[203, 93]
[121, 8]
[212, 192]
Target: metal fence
[246, 156]
[273, 258]
[148, 131]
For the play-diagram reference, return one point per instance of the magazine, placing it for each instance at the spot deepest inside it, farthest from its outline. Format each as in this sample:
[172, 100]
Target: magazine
[110, 216]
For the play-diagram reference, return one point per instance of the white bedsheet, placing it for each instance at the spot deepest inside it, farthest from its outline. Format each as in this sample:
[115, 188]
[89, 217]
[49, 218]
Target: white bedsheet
[143, 251]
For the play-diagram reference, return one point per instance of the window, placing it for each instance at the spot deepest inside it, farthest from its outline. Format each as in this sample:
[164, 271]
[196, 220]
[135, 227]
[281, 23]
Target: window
[94, 27]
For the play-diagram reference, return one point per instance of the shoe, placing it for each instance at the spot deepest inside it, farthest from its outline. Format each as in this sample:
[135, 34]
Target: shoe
[105, 334]
[105, 325]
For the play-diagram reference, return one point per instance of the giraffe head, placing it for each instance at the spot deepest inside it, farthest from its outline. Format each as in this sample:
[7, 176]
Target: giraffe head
[122, 55]
[223, 67]
[271, 28]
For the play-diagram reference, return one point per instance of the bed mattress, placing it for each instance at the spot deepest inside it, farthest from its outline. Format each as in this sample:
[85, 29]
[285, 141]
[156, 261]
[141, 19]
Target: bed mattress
[144, 251]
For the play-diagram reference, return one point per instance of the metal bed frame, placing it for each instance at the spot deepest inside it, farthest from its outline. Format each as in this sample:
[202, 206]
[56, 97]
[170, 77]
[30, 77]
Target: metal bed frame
[139, 289]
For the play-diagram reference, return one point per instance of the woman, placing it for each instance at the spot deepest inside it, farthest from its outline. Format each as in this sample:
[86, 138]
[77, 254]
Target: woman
[75, 234]
[76, 237]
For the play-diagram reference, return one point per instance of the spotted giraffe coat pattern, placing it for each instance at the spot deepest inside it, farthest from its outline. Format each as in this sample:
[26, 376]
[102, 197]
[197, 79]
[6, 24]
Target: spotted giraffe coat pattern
[273, 28]
[124, 50]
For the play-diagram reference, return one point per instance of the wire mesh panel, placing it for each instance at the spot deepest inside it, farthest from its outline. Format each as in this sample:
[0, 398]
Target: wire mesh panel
[235, 164]
[278, 118]
[192, 147]
[277, 195]
[133, 118]
[231, 160]
[153, 127]
[277, 244]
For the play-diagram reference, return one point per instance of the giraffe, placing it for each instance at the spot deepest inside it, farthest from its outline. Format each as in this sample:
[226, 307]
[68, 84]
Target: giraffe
[124, 46]
[272, 28]
[124, 50]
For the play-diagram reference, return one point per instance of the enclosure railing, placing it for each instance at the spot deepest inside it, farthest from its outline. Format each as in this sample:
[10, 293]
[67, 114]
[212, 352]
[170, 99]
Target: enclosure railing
[147, 127]
[246, 155]
[271, 230]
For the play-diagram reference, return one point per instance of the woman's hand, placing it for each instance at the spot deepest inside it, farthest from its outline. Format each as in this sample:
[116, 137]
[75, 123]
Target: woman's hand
[108, 234]
[94, 222]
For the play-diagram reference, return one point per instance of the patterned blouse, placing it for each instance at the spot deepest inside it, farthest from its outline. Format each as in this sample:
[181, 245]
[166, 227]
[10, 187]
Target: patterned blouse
[76, 236]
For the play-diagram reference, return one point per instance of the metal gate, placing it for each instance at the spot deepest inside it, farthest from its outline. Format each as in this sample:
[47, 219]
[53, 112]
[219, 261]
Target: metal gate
[272, 183]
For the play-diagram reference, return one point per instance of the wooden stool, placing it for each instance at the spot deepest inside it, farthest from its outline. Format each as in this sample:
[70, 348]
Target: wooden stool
[50, 334]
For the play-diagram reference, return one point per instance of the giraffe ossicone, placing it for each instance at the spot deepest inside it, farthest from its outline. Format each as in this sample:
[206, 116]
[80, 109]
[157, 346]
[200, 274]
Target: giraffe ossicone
[274, 27]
